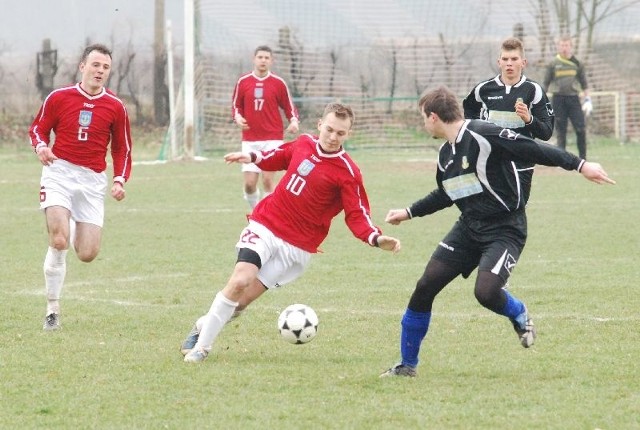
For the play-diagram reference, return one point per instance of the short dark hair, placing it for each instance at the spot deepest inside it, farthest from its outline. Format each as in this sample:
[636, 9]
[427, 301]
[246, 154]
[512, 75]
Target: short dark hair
[95, 47]
[262, 48]
[443, 103]
[340, 110]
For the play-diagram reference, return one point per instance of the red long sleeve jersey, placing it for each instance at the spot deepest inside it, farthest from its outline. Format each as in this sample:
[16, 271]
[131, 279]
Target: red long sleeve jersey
[316, 187]
[259, 101]
[84, 125]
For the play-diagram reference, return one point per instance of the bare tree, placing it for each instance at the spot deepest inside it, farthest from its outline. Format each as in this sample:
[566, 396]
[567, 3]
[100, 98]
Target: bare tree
[394, 76]
[333, 55]
[125, 74]
[292, 50]
[577, 17]
[596, 11]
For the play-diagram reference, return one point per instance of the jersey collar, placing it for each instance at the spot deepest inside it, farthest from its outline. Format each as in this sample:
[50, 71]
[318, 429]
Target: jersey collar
[89, 96]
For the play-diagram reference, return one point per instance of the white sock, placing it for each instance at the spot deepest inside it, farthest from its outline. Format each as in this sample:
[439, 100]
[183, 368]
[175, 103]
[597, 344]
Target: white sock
[55, 269]
[252, 199]
[265, 194]
[218, 315]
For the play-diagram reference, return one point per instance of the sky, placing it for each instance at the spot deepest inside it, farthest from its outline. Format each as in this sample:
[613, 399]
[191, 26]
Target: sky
[25, 23]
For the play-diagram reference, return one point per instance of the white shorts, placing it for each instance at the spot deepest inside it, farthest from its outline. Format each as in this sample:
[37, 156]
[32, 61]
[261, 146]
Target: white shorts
[76, 188]
[281, 262]
[261, 145]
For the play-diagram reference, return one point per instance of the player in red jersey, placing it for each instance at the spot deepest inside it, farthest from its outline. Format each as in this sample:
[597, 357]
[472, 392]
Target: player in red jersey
[286, 228]
[257, 99]
[86, 118]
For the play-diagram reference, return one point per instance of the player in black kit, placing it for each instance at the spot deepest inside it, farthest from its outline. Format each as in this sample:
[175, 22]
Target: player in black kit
[476, 172]
[511, 100]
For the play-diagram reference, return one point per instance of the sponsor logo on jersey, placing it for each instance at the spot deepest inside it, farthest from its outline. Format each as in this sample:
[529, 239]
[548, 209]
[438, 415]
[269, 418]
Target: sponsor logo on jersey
[494, 97]
[465, 162]
[258, 93]
[506, 119]
[447, 247]
[549, 109]
[462, 186]
[88, 105]
[509, 134]
[305, 168]
[85, 118]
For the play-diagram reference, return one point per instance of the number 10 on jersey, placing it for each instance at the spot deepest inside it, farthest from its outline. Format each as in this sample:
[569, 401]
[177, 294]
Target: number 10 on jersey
[296, 184]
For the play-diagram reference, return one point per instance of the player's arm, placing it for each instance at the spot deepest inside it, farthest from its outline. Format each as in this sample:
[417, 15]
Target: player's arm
[548, 77]
[528, 150]
[121, 144]
[40, 132]
[237, 107]
[472, 106]
[357, 214]
[433, 202]
[587, 104]
[290, 110]
[541, 123]
[273, 160]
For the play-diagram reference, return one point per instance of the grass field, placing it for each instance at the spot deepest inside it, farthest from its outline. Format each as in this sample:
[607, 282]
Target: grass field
[169, 247]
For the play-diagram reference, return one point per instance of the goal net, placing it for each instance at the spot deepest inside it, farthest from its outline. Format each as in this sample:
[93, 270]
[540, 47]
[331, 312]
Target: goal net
[380, 55]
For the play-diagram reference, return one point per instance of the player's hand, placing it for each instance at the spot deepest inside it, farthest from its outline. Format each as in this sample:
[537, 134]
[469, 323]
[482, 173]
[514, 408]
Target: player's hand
[396, 216]
[117, 191]
[46, 155]
[237, 157]
[594, 172]
[241, 122]
[294, 127]
[522, 110]
[389, 243]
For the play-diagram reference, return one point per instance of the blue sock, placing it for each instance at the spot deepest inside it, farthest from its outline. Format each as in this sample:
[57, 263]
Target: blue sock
[513, 307]
[414, 329]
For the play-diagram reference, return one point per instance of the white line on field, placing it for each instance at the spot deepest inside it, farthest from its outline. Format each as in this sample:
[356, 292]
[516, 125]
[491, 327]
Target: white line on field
[257, 307]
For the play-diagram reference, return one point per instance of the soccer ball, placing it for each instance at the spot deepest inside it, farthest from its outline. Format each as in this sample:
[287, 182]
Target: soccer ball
[298, 324]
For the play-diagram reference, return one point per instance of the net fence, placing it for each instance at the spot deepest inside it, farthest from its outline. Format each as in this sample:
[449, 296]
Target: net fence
[380, 55]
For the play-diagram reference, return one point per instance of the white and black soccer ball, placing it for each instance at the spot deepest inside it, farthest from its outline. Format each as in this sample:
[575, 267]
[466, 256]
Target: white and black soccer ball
[298, 324]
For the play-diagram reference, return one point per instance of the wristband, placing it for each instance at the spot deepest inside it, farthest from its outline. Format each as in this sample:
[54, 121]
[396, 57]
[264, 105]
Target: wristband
[408, 213]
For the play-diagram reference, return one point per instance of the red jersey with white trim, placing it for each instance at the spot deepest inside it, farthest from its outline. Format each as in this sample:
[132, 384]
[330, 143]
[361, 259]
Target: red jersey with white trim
[316, 187]
[259, 101]
[84, 125]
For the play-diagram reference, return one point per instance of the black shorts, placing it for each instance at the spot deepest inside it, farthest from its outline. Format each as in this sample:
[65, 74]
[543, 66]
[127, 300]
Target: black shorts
[492, 245]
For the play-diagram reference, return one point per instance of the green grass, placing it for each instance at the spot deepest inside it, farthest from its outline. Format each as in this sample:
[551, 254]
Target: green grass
[169, 247]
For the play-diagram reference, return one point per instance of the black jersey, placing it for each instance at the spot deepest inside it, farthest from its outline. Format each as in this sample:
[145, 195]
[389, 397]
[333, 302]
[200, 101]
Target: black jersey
[494, 101]
[478, 171]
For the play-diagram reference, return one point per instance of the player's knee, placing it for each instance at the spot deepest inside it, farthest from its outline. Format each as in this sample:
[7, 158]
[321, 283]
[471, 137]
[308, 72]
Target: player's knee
[87, 254]
[238, 283]
[422, 298]
[59, 242]
[488, 295]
